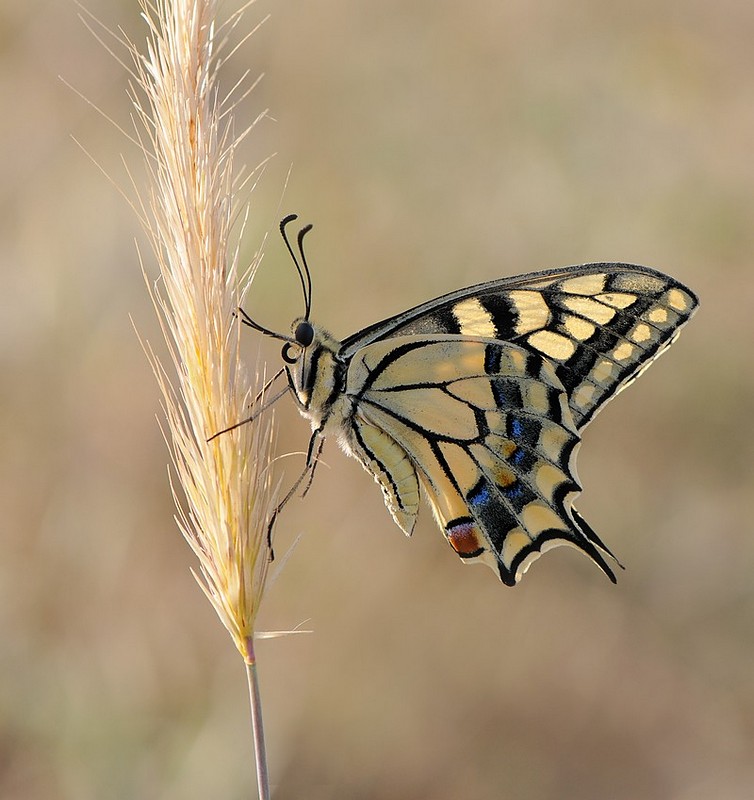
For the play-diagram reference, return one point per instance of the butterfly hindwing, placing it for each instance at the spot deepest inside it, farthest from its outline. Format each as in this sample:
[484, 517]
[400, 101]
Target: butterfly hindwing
[391, 467]
[488, 430]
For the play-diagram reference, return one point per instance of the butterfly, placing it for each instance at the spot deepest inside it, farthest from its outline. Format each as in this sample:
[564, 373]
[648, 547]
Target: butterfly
[478, 399]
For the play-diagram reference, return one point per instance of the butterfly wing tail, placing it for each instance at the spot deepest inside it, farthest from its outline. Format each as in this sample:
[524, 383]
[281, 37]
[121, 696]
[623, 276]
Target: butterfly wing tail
[510, 540]
[597, 545]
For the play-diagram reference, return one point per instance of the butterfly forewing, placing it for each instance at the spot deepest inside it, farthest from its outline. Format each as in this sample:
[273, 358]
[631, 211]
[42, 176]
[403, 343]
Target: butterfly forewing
[599, 324]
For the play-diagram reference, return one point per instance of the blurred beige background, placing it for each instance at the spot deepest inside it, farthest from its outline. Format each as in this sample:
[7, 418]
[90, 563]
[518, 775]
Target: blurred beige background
[433, 145]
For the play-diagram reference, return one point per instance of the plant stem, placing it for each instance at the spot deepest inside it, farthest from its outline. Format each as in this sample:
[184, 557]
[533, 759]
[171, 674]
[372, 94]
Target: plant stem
[257, 728]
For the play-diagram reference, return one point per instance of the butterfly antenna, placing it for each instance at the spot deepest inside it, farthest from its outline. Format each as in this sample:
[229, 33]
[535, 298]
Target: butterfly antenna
[247, 320]
[308, 285]
[305, 278]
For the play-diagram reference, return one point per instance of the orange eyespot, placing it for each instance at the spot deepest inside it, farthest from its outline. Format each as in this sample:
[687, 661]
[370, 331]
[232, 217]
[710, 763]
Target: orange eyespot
[463, 536]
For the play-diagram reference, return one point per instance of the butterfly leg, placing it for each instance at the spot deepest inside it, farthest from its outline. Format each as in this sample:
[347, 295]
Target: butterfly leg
[312, 459]
[316, 443]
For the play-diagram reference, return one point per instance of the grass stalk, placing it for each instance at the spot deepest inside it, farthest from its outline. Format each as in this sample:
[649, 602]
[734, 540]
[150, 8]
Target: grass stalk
[223, 487]
[257, 725]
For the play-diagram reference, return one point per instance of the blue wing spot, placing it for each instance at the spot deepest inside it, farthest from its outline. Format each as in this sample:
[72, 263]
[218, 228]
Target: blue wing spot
[492, 359]
[481, 497]
[507, 393]
[518, 456]
[524, 430]
[492, 514]
[514, 491]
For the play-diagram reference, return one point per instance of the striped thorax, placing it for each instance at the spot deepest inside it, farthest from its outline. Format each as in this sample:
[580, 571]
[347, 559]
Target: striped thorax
[315, 372]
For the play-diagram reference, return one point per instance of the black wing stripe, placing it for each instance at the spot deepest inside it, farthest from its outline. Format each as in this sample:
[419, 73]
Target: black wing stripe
[493, 359]
[384, 471]
[503, 315]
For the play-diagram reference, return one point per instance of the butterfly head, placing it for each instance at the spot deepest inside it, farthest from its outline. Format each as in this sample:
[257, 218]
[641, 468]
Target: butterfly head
[313, 367]
[303, 336]
[298, 353]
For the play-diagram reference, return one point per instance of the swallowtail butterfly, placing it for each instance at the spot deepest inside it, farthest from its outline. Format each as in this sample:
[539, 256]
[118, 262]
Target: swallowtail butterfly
[478, 398]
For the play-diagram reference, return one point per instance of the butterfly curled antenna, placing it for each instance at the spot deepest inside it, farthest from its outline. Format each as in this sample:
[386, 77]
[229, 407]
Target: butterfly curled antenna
[301, 266]
[303, 335]
[304, 332]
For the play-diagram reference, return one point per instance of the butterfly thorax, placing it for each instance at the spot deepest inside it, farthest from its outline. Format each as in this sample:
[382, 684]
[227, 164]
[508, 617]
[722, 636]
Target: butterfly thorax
[316, 374]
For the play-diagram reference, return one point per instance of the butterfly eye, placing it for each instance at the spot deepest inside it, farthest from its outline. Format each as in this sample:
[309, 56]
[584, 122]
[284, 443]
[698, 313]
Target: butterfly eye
[304, 333]
[286, 353]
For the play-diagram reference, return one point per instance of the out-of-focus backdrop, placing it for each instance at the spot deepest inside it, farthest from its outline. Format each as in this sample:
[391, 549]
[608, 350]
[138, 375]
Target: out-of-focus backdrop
[433, 145]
